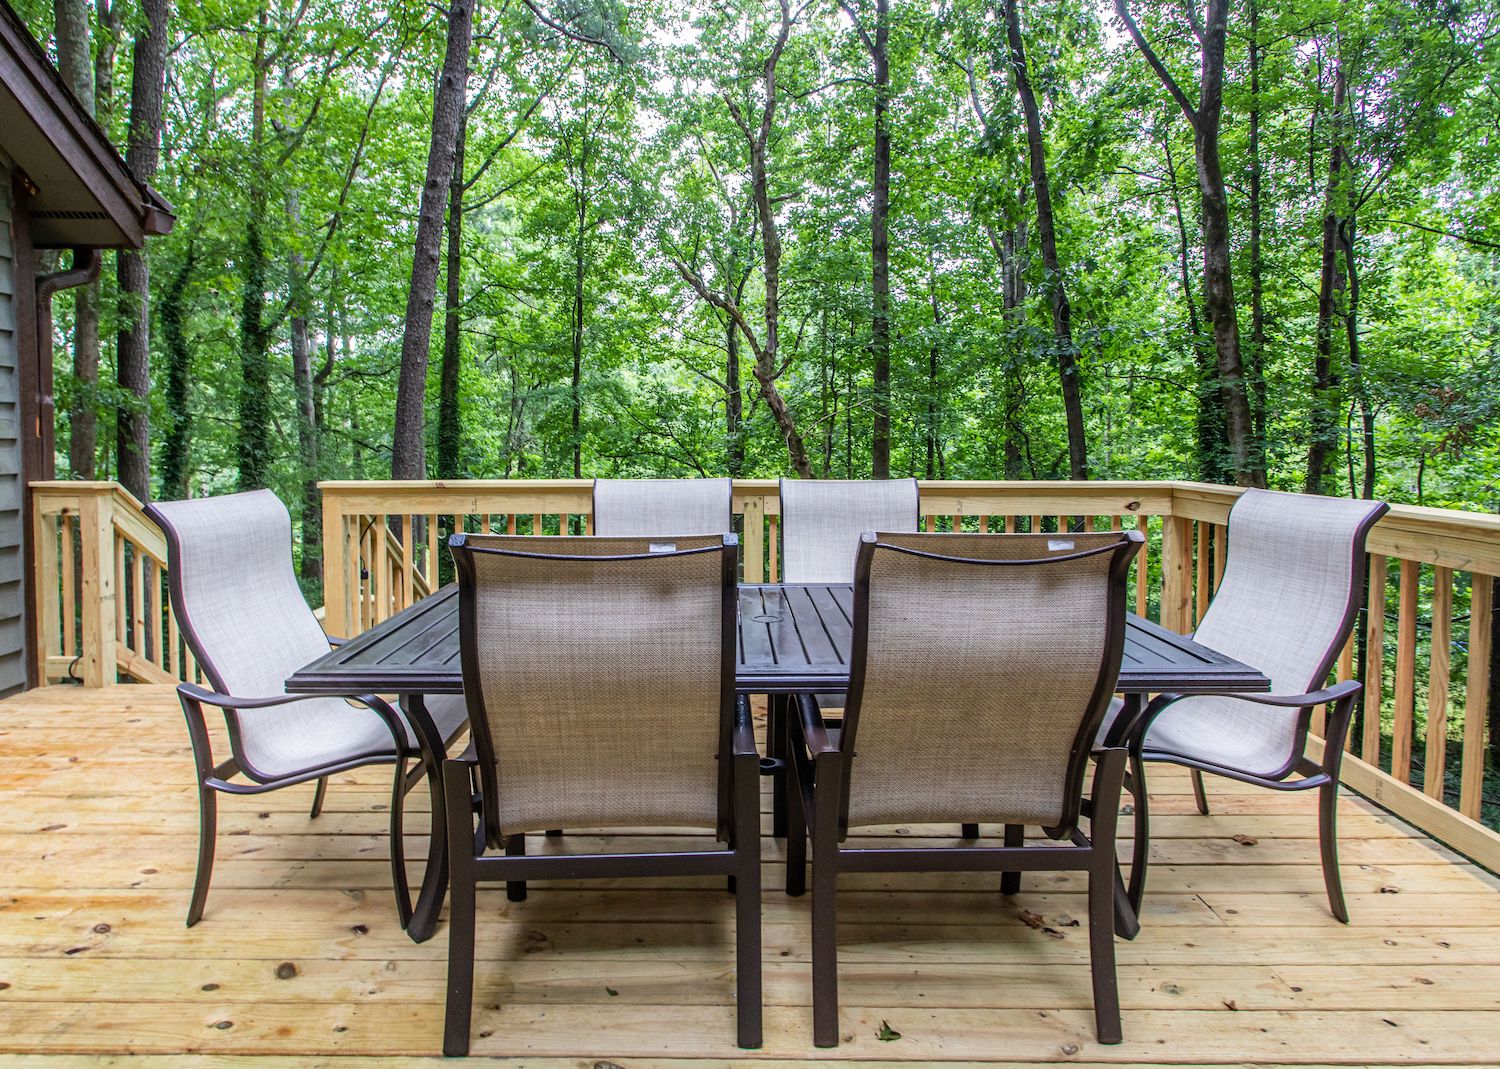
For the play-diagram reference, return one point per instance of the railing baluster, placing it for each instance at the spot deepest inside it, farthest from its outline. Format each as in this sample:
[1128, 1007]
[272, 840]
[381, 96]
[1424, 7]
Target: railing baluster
[1202, 567]
[1369, 751]
[1437, 684]
[1142, 571]
[69, 549]
[773, 559]
[1476, 697]
[137, 599]
[158, 623]
[1406, 669]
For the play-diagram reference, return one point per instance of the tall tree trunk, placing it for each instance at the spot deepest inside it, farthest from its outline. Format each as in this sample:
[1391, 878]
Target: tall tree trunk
[581, 197]
[74, 63]
[408, 444]
[1348, 235]
[933, 447]
[1210, 422]
[1323, 418]
[253, 443]
[1256, 361]
[1062, 312]
[880, 252]
[734, 394]
[450, 431]
[1218, 281]
[132, 346]
[176, 459]
[303, 385]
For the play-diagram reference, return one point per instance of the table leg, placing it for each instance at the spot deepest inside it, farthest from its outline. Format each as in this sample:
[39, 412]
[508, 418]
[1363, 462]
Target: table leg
[435, 878]
[1127, 919]
[778, 711]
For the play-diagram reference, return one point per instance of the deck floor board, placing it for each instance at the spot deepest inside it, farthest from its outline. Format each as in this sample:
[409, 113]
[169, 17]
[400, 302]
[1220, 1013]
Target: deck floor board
[299, 961]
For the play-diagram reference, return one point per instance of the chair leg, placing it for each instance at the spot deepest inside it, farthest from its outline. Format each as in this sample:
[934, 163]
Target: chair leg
[969, 831]
[460, 1005]
[778, 728]
[1199, 794]
[208, 824]
[747, 936]
[1102, 951]
[398, 843]
[1328, 807]
[1142, 846]
[825, 947]
[1015, 837]
[796, 833]
[515, 890]
[317, 803]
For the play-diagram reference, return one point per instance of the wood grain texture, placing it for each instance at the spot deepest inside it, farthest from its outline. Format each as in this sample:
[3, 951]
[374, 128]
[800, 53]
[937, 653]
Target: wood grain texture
[299, 962]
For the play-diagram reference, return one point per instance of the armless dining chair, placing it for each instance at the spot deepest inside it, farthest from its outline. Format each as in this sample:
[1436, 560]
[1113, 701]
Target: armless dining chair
[233, 590]
[1292, 588]
[992, 721]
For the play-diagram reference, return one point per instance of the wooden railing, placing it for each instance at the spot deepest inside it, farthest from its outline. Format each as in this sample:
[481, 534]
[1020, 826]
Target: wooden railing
[100, 577]
[102, 607]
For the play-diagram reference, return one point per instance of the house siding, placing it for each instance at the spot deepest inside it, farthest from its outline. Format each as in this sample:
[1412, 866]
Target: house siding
[12, 602]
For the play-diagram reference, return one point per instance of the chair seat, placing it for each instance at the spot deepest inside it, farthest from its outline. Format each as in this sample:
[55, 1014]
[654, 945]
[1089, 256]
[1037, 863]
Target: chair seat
[1217, 730]
[323, 732]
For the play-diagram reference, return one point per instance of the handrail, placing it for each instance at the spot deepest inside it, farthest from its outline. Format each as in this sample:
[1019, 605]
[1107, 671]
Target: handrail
[100, 575]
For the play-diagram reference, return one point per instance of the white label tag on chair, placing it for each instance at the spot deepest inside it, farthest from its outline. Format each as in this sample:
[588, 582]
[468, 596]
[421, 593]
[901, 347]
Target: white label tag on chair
[661, 547]
[1059, 545]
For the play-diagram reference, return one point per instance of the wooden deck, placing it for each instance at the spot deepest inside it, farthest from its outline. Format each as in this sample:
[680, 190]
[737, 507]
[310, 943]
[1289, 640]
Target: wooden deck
[299, 961]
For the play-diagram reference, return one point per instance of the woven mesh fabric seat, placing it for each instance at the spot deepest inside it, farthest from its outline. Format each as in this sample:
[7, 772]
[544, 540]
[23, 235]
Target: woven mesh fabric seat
[599, 673]
[822, 520]
[244, 618]
[988, 722]
[1291, 592]
[654, 507]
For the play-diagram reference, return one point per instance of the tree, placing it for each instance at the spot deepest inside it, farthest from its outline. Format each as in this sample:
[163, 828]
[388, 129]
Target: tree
[408, 446]
[1062, 311]
[1218, 281]
[132, 347]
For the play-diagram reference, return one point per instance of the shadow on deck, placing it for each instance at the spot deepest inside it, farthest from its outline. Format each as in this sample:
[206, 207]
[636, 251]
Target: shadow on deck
[299, 960]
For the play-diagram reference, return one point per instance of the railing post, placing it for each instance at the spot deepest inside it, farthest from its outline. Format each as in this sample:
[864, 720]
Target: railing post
[755, 540]
[97, 534]
[335, 568]
[1176, 573]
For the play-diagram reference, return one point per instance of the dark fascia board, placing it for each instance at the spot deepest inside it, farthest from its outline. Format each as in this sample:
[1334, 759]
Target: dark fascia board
[57, 139]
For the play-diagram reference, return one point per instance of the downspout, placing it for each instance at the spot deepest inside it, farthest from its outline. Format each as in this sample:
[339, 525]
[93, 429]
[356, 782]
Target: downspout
[41, 434]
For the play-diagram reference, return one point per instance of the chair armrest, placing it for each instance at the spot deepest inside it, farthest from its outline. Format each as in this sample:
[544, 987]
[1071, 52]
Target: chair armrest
[743, 742]
[810, 720]
[1327, 696]
[201, 694]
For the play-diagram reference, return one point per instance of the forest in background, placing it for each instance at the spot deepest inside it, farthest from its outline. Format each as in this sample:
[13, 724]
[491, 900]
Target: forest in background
[1249, 241]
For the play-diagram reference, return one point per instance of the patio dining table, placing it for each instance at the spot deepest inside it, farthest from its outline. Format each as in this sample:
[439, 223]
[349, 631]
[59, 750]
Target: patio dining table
[792, 639]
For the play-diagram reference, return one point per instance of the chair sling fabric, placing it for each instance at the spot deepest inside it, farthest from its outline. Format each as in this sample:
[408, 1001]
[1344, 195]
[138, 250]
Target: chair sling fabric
[600, 678]
[1287, 602]
[982, 726]
[822, 520]
[656, 507]
[988, 721]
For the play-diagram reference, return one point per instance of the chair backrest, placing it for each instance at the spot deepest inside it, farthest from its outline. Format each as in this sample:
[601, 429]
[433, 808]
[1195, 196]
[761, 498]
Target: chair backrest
[1292, 588]
[982, 667]
[657, 507]
[234, 590]
[229, 567]
[600, 677]
[822, 521]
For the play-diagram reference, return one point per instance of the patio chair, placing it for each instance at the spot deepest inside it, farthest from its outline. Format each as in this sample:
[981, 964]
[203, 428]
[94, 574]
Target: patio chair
[991, 721]
[600, 679]
[822, 521]
[658, 507]
[1292, 589]
[229, 565]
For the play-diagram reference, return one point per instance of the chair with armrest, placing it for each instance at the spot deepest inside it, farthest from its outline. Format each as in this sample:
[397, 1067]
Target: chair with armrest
[1291, 592]
[232, 588]
[990, 722]
[600, 679]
